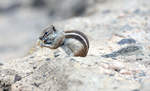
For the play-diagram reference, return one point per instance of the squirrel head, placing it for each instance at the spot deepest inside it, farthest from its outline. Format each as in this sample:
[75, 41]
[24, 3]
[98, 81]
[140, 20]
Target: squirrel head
[52, 37]
[48, 35]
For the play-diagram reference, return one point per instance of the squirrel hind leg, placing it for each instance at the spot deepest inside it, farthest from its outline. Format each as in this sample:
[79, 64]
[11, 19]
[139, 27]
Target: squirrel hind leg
[81, 53]
[79, 50]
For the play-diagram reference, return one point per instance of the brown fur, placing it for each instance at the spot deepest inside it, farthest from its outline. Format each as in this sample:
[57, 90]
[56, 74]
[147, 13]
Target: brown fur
[59, 40]
[83, 52]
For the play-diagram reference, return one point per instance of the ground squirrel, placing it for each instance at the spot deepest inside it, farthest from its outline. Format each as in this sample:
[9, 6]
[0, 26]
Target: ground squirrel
[74, 43]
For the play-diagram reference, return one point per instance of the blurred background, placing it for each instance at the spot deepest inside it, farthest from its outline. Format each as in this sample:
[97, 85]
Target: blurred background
[21, 21]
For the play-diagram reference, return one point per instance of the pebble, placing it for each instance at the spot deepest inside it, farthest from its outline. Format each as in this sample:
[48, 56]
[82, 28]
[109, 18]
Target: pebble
[126, 41]
[48, 59]
[17, 78]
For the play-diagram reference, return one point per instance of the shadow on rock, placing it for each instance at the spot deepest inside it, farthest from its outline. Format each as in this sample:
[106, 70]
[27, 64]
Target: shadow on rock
[126, 51]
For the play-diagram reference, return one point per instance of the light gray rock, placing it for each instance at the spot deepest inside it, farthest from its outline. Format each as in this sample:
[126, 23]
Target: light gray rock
[106, 26]
[63, 74]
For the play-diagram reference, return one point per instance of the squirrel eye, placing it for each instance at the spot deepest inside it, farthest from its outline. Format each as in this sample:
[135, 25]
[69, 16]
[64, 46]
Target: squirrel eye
[46, 33]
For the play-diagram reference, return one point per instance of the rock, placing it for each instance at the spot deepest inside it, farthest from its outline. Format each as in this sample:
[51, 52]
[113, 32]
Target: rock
[124, 66]
[126, 41]
[17, 78]
[127, 51]
[67, 74]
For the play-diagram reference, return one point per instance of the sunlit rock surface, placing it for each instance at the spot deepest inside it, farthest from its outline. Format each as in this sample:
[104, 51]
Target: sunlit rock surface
[118, 58]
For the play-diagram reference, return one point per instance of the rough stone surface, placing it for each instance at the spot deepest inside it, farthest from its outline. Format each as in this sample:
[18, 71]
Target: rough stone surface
[118, 58]
[65, 73]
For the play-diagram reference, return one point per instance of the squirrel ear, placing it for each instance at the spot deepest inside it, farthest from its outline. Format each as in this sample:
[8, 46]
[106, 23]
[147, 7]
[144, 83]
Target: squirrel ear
[53, 27]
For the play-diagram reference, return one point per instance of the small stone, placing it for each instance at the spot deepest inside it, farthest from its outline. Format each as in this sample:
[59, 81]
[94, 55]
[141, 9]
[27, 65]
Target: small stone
[36, 84]
[17, 78]
[32, 57]
[111, 74]
[44, 75]
[140, 59]
[56, 54]
[47, 59]
[129, 50]
[111, 55]
[117, 70]
[72, 59]
[126, 41]
[34, 67]
[126, 51]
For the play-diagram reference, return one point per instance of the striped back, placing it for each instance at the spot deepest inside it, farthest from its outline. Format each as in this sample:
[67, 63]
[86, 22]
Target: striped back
[80, 37]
